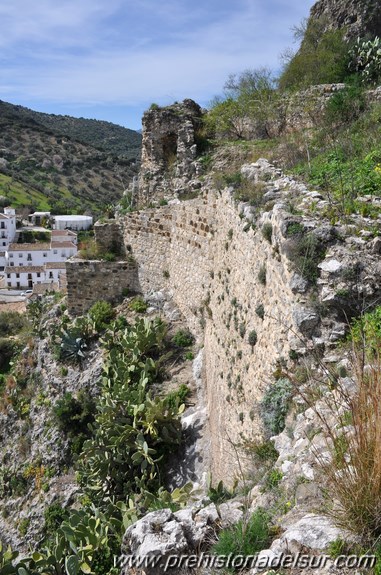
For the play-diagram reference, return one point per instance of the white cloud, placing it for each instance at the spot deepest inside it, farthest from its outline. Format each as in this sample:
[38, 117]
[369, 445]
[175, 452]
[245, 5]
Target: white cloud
[105, 53]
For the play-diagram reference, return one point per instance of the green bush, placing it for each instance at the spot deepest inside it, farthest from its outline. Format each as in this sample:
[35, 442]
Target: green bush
[101, 313]
[11, 323]
[8, 349]
[262, 275]
[253, 338]
[345, 106]
[323, 58]
[260, 311]
[306, 251]
[267, 232]
[275, 405]
[183, 338]
[73, 416]
[244, 538]
[265, 451]
[54, 515]
[177, 397]
[138, 305]
[272, 479]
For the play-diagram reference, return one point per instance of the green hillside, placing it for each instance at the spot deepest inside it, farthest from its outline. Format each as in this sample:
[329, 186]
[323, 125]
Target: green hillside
[43, 168]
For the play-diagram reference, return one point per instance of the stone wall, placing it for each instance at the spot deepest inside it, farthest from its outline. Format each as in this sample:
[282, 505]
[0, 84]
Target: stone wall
[210, 259]
[109, 237]
[91, 281]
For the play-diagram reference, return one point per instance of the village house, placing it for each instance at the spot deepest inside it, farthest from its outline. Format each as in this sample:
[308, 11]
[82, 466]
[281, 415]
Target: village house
[40, 263]
[7, 233]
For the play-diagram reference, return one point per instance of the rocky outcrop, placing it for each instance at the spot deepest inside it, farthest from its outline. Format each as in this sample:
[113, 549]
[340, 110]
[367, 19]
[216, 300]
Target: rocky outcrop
[169, 152]
[358, 17]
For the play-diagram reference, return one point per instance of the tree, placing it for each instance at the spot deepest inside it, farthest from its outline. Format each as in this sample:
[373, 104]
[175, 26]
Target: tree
[323, 57]
[250, 105]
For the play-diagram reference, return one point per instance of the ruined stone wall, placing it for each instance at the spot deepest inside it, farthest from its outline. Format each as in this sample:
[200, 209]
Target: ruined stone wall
[169, 151]
[208, 256]
[91, 281]
[109, 237]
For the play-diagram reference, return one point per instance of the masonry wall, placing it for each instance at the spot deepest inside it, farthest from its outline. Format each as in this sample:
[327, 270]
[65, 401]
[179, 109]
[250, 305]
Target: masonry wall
[91, 281]
[209, 258]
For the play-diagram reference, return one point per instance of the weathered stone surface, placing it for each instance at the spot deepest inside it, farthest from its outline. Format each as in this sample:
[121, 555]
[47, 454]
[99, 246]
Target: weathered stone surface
[330, 266]
[306, 320]
[298, 284]
[91, 281]
[359, 18]
[169, 152]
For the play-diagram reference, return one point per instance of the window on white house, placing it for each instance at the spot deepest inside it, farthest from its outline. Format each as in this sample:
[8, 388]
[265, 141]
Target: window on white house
[11, 255]
[55, 251]
[38, 274]
[9, 284]
[45, 255]
[20, 255]
[11, 263]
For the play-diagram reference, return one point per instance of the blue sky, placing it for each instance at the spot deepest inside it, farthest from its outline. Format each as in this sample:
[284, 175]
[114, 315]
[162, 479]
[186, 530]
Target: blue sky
[110, 59]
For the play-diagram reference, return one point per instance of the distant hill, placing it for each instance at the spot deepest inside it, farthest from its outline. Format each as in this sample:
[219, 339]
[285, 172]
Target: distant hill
[63, 163]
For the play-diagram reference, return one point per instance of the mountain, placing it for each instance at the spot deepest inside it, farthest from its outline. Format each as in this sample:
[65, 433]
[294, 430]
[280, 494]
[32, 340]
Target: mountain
[63, 163]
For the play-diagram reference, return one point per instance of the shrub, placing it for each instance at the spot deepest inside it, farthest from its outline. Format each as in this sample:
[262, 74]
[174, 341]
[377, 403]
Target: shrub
[183, 338]
[345, 106]
[11, 323]
[260, 311]
[138, 305]
[267, 232]
[54, 515]
[8, 349]
[275, 405]
[322, 58]
[101, 313]
[265, 451]
[306, 251]
[272, 479]
[73, 416]
[262, 275]
[178, 397]
[251, 192]
[253, 338]
[244, 538]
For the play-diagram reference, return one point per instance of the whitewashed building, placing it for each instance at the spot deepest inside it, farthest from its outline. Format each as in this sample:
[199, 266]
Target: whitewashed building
[40, 263]
[7, 233]
[76, 223]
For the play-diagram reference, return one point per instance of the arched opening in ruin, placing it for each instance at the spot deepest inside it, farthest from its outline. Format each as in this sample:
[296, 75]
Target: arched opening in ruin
[169, 147]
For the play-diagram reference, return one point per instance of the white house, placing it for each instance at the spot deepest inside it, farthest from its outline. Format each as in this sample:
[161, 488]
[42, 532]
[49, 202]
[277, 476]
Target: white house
[30, 264]
[39, 218]
[7, 233]
[64, 236]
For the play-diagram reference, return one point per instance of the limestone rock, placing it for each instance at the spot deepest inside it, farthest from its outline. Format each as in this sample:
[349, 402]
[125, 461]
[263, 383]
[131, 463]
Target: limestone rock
[306, 320]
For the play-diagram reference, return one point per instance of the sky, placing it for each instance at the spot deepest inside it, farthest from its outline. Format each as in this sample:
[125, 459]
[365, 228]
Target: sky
[111, 59]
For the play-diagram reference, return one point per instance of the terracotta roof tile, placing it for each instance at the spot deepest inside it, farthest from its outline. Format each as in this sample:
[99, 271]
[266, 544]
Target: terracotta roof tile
[23, 269]
[28, 247]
